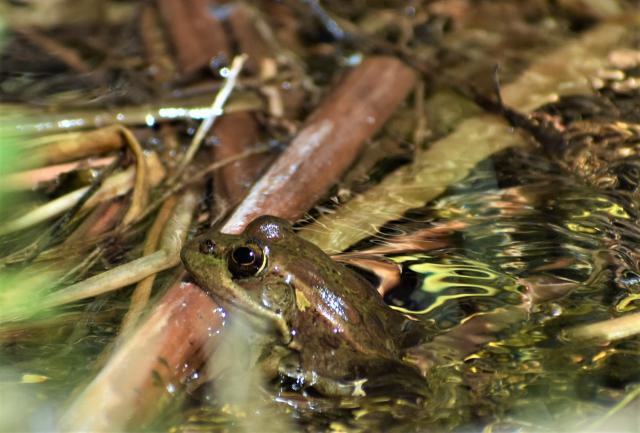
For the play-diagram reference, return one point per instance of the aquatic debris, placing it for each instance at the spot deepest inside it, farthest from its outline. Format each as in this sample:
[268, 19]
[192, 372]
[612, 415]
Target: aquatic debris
[621, 327]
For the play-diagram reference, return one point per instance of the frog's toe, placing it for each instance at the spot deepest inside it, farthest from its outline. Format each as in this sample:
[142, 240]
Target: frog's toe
[291, 368]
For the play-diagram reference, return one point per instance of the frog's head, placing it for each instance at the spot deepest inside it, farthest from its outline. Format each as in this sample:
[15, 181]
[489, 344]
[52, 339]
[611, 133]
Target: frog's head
[242, 271]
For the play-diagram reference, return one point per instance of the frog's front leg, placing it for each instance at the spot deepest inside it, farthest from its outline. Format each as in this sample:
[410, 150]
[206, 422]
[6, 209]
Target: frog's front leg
[291, 367]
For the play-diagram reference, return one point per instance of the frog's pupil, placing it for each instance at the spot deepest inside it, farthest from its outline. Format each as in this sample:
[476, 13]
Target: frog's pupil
[244, 256]
[246, 261]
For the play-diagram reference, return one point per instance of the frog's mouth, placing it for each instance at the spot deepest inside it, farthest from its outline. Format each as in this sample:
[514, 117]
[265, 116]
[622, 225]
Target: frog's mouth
[259, 318]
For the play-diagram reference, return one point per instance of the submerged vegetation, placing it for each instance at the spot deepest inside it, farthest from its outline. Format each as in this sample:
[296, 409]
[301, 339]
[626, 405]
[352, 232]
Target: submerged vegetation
[476, 162]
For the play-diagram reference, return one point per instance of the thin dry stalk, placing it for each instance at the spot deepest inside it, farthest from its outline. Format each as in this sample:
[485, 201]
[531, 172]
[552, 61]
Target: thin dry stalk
[67, 55]
[214, 112]
[113, 186]
[31, 178]
[168, 256]
[57, 148]
[140, 193]
[88, 261]
[192, 108]
[142, 292]
[622, 404]
[607, 330]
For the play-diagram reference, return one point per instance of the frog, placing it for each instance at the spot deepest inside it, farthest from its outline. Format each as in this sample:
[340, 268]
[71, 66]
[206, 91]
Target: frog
[328, 326]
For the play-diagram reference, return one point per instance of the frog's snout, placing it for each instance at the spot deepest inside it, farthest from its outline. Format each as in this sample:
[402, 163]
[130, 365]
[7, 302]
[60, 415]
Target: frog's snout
[186, 254]
[198, 253]
[191, 252]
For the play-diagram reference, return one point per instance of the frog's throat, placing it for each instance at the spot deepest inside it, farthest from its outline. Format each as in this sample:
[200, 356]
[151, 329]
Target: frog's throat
[253, 309]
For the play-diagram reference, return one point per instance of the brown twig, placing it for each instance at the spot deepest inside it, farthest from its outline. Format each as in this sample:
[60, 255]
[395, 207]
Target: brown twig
[329, 142]
[197, 36]
[67, 55]
[237, 133]
[164, 350]
[155, 46]
[249, 40]
[102, 219]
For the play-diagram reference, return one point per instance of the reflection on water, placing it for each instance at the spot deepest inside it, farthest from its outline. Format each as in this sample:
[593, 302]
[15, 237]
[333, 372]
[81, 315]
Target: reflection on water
[450, 282]
[530, 231]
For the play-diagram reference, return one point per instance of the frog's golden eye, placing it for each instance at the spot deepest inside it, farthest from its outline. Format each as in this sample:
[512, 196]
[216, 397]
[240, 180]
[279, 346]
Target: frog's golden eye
[246, 261]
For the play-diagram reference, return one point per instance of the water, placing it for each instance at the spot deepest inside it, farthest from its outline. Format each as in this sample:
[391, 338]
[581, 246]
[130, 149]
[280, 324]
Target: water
[549, 233]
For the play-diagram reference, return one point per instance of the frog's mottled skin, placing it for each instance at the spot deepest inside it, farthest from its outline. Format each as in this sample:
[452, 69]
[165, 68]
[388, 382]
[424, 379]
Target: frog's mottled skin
[325, 313]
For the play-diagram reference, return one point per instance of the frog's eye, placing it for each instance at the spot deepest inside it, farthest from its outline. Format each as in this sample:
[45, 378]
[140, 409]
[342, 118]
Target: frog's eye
[246, 261]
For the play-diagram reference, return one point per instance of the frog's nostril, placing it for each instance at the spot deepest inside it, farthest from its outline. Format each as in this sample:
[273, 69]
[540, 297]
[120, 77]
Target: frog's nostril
[207, 246]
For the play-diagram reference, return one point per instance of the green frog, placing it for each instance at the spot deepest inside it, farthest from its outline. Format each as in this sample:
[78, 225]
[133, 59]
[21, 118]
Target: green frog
[330, 326]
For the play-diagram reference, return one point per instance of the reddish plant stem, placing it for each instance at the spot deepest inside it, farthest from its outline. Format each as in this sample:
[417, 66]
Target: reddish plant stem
[102, 219]
[236, 132]
[197, 36]
[153, 361]
[329, 142]
[248, 38]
